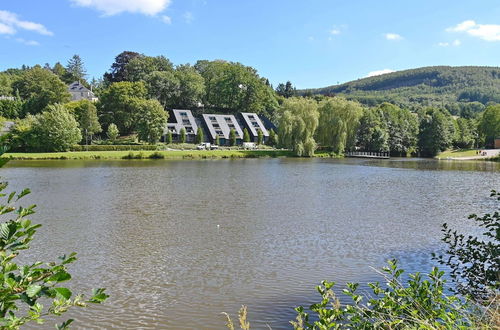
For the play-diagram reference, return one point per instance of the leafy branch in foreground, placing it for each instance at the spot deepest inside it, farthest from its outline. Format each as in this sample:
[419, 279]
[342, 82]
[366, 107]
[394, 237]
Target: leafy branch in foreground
[475, 262]
[421, 303]
[24, 287]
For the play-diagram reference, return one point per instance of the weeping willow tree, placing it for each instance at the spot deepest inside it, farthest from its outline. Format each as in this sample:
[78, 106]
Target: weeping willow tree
[297, 125]
[338, 124]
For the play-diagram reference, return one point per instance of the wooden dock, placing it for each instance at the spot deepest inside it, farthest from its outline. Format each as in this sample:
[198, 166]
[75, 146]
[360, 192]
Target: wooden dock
[368, 154]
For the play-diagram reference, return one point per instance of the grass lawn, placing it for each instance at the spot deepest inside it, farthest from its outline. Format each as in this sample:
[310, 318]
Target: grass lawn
[181, 154]
[458, 153]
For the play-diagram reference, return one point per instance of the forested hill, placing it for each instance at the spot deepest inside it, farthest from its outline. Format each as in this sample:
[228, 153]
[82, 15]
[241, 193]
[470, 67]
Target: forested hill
[452, 87]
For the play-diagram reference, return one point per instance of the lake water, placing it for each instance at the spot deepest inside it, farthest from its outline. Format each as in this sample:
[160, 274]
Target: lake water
[178, 242]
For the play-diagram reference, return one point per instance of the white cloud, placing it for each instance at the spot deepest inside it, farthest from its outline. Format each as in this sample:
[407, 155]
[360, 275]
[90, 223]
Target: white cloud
[455, 43]
[464, 26]
[166, 19]
[113, 7]
[6, 29]
[10, 23]
[488, 32]
[393, 36]
[379, 72]
[188, 17]
[335, 31]
[28, 42]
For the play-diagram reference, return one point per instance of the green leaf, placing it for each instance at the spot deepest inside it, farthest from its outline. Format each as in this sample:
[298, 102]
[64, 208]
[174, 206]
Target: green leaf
[63, 292]
[99, 296]
[64, 325]
[60, 277]
[33, 290]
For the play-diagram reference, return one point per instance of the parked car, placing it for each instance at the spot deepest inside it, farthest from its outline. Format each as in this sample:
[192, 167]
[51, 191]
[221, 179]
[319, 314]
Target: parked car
[207, 146]
[203, 146]
[249, 145]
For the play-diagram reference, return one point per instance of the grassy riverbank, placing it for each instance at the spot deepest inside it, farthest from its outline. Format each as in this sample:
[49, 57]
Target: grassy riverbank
[469, 154]
[147, 154]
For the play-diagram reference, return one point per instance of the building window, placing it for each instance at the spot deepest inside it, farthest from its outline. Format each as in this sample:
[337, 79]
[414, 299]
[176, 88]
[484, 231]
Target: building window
[184, 114]
[251, 117]
[212, 118]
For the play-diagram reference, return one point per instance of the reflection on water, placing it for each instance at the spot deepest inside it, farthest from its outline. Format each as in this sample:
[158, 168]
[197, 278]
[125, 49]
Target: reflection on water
[178, 242]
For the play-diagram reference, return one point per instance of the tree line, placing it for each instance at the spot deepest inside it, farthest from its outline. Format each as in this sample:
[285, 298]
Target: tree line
[339, 125]
[134, 94]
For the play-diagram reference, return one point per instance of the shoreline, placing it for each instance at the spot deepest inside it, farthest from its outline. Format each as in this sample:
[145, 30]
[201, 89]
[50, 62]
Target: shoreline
[149, 154]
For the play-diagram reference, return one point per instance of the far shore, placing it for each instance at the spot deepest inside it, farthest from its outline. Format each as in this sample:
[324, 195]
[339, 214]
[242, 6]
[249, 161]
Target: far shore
[460, 155]
[149, 154]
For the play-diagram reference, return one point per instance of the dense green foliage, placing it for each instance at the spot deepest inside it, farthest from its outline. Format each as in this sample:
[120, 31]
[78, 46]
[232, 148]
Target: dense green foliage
[151, 120]
[182, 135]
[116, 104]
[452, 87]
[85, 114]
[417, 303]
[39, 88]
[338, 123]
[199, 135]
[11, 108]
[298, 123]
[169, 138]
[260, 137]
[489, 125]
[233, 87]
[436, 131]
[232, 137]
[246, 135]
[391, 115]
[273, 138]
[55, 129]
[112, 132]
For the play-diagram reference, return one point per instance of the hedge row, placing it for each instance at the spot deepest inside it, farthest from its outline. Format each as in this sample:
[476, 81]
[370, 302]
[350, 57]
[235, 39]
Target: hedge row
[113, 147]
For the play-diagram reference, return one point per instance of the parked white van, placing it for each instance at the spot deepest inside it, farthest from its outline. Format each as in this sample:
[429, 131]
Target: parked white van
[249, 145]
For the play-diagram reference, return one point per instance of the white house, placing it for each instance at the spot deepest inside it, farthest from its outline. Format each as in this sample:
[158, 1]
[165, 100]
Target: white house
[79, 92]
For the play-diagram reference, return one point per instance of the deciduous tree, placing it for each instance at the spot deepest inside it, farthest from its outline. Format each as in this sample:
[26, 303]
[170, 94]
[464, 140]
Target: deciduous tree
[339, 120]
[151, 120]
[298, 123]
[39, 88]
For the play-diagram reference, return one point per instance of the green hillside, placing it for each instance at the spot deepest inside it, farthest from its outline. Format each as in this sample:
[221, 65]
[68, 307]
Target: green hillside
[452, 87]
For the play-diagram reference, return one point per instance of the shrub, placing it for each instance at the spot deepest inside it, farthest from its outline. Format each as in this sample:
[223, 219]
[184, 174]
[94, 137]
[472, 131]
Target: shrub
[183, 135]
[169, 138]
[156, 155]
[113, 132]
[55, 129]
[475, 262]
[246, 136]
[117, 147]
[421, 303]
[199, 135]
[232, 137]
[131, 155]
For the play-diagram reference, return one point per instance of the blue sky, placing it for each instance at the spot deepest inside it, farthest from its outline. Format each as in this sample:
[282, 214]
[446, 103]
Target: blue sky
[313, 43]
